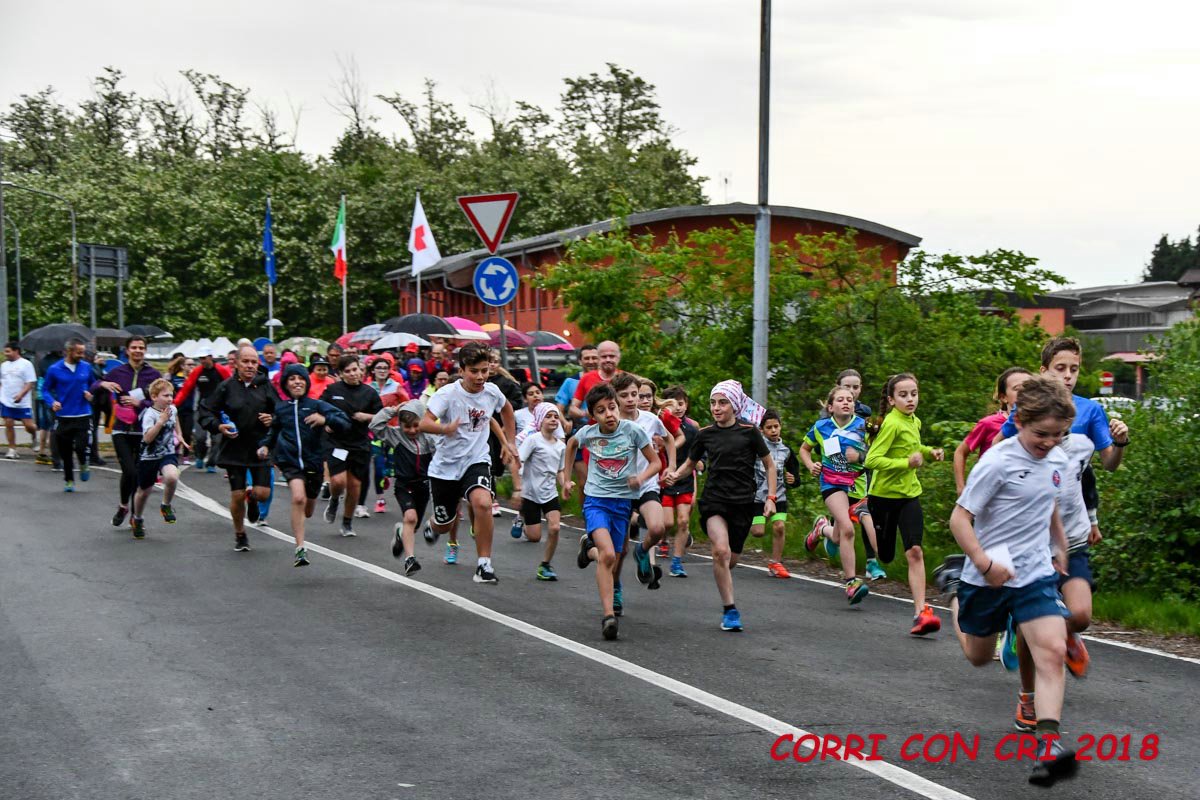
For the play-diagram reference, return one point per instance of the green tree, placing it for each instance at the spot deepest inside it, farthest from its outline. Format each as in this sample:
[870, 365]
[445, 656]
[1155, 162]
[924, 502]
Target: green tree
[1170, 260]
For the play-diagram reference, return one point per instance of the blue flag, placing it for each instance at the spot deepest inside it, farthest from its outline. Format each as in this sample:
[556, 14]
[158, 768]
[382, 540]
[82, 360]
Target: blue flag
[268, 246]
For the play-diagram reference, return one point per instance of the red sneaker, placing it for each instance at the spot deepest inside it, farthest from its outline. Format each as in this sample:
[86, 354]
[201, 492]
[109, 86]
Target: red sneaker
[1025, 719]
[778, 570]
[814, 536]
[1077, 656]
[926, 622]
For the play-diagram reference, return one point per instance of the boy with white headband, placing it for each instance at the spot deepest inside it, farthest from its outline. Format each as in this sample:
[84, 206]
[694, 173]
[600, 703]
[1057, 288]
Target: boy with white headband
[729, 447]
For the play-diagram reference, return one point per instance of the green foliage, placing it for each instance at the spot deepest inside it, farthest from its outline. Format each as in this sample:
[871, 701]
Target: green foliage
[1150, 508]
[182, 183]
[1170, 260]
[1141, 609]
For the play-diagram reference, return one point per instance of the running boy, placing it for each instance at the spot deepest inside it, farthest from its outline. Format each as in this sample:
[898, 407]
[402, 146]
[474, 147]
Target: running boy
[541, 452]
[677, 498]
[613, 483]
[786, 469]
[411, 453]
[1008, 526]
[160, 432]
[841, 440]
[895, 455]
[294, 441]
[729, 448]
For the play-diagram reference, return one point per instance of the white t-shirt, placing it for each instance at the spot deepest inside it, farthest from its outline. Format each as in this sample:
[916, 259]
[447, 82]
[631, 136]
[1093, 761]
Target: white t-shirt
[469, 444]
[1012, 495]
[653, 426]
[1079, 449]
[13, 377]
[541, 461]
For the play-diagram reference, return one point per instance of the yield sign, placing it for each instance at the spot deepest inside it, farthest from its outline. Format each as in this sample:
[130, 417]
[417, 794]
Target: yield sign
[489, 215]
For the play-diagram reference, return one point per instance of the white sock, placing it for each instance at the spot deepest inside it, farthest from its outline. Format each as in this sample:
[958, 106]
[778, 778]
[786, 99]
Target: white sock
[485, 562]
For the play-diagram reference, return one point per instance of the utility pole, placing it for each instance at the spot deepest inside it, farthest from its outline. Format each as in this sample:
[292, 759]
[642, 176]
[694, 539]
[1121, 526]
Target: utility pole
[3, 255]
[762, 220]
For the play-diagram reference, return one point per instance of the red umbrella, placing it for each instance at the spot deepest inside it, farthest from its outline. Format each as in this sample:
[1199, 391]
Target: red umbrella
[343, 341]
[511, 338]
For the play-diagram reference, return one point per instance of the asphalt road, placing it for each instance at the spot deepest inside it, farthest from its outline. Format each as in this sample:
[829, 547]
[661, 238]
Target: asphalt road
[176, 668]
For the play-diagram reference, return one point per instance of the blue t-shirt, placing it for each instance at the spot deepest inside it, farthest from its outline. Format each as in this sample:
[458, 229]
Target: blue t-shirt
[566, 392]
[612, 459]
[1090, 420]
[836, 471]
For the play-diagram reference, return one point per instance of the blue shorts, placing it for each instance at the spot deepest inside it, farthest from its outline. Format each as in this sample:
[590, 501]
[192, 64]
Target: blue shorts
[609, 513]
[9, 412]
[1079, 565]
[984, 610]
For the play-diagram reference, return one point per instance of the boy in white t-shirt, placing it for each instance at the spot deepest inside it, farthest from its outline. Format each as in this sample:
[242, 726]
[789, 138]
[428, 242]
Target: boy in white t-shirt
[461, 413]
[1014, 547]
[541, 452]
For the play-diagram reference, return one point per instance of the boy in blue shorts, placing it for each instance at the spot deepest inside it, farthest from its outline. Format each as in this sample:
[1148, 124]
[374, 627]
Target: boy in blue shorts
[1014, 547]
[611, 487]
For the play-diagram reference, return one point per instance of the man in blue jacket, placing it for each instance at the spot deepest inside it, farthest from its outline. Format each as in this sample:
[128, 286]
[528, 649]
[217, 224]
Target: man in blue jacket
[67, 390]
[294, 442]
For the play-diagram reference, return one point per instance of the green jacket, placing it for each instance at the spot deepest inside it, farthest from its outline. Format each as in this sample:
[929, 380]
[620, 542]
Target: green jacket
[899, 437]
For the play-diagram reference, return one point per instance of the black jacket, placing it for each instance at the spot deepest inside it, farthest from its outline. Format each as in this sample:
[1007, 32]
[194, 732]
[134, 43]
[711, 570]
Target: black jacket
[353, 400]
[242, 404]
[292, 442]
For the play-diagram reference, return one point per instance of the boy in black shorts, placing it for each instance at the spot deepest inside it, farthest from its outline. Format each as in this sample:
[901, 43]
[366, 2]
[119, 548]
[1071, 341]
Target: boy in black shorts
[730, 449]
[294, 438]
[160, 428]
[411, 453]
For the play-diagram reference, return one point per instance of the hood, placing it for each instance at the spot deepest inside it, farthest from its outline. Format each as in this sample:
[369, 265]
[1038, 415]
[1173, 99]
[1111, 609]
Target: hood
[415, 406]
[294, 369]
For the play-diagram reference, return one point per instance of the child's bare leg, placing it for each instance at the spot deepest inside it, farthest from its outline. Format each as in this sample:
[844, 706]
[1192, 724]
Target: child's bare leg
[553, 524]
[300, 509]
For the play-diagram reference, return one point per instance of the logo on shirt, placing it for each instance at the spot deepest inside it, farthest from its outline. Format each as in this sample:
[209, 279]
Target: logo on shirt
[477, 418]
[1057, 479]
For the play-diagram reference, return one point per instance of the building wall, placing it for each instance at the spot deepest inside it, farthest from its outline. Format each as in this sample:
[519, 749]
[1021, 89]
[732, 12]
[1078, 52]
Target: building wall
[541, 310]
[1052, 320]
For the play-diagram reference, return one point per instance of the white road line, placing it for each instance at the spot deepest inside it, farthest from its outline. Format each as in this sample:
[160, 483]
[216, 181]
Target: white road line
[882, 769]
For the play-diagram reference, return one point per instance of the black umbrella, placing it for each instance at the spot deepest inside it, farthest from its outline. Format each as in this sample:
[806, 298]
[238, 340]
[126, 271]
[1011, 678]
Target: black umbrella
[420, 325]
[114, 336]
[52, 337]
[149, 331]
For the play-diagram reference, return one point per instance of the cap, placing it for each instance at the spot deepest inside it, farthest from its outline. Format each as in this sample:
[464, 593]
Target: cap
[411, 347]
[319, 361]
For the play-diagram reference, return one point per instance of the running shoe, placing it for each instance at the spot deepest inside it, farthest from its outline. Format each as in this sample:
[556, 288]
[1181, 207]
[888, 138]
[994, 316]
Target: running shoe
[471, 530]
[325, 494]
[411, 565]
[874, 571]
[119, 518]
[485, 575]
[210, 469]
[346, 531]
[690, 541]
[814, 536]
[1008, 647]
[97, 461]
[731, 620]
[241, 543]
[518, 528]
[618, 602]
[360, 512]
[999, 647]
[856, 590]
[301, 559]
[168, 513]
[11, 454]
[397, 541]
[199, 463]
[43, 459]
[1077, 656]
[777, 569]
[1025, 720]
[495, 509]
[677, 570]
[1060, 764]
[252, 509]
[947, 574]
[545, 572]
[832, 550]
[644, 572]
[608, 628]
[451, 553]
[663, 549]
[262, 522]
[331, 509]
[57, 466]
[386, 483]
[69, 486]
[430, 535]
[139, 528]
[654, 581]
[583, 559]
[381, 506]
[85, 474]
[925, 622]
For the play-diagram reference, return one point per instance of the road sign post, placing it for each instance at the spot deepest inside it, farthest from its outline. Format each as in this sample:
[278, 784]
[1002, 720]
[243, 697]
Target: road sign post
[496, 279]
[1106, 383]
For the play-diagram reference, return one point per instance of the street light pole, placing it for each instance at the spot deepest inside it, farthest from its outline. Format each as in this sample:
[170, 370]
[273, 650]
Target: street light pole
[762, 220]
[74, 242]
[3, 255]
[20, 313]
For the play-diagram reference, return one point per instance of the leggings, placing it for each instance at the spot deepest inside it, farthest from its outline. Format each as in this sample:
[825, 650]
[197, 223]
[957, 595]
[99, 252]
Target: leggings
[127, 446]
[73, 437]
[897, 514]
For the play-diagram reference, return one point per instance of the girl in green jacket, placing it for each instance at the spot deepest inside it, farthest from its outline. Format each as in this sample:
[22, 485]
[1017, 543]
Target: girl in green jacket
[894, 496]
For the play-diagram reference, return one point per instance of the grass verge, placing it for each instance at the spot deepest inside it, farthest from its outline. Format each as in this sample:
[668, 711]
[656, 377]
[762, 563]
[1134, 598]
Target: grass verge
[1169, 616]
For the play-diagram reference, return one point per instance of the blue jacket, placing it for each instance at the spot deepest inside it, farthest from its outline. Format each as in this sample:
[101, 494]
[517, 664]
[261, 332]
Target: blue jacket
[67, 387]
[292, 442]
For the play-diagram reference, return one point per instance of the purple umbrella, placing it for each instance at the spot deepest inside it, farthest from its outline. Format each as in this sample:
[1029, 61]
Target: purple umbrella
[511, 338]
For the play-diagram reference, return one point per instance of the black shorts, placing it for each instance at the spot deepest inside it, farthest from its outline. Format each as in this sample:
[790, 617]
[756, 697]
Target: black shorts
[447, 493]
[647, 497]
[356, 462]
[1079, 565]
[892, 514]
[148, 469]
[259, 476]
[413, 496]
[532, 511]
[312, 478]
[737, 516]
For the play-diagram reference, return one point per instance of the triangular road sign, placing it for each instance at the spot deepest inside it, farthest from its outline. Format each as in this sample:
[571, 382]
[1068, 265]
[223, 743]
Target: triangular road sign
[489, 215]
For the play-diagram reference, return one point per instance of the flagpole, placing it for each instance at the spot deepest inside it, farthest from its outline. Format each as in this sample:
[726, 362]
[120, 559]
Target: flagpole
[419, 293]
[345, 279]
[270, 286]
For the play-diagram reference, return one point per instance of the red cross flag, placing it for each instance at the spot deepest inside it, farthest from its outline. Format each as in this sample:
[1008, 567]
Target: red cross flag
[421, 244]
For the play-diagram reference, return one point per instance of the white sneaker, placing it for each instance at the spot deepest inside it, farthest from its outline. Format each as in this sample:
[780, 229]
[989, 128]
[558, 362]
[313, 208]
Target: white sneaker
[360, 512]
[12, 454]
[495, 509]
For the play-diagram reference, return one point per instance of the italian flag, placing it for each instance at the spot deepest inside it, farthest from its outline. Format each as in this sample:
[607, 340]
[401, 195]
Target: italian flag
[338, 245]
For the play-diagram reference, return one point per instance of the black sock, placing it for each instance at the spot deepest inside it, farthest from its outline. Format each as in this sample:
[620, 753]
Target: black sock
[545, 563]
[1046, 726]
[730, 607]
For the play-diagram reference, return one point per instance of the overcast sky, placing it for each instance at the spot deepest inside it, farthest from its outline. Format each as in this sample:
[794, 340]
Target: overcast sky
[1063, 128]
